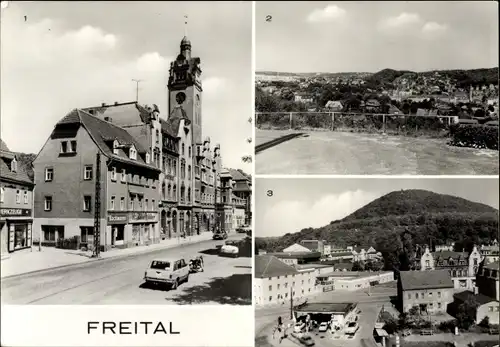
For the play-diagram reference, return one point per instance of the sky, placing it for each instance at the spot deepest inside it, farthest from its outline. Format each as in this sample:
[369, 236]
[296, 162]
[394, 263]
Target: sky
[56, 56]
[296, 204]
[370, 36]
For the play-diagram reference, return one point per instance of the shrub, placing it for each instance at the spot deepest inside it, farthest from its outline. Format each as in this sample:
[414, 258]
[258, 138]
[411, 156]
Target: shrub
[447, 326]
[391, 326]
[70, 243]
[473, 135]
[485, 322]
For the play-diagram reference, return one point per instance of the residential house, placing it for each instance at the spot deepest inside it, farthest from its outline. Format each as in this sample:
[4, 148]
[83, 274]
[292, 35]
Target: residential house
[303, 98]
[277, 282]
[372, 105]
[313, 245]
[296, 248]
[297, 258]
[16, 203]
[334, 106]
[431, 291]
[243, 190]
[490, 253]
[66, 170]
[462, 266]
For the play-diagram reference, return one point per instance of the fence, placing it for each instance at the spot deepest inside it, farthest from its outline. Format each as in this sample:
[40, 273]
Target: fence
[362, 122]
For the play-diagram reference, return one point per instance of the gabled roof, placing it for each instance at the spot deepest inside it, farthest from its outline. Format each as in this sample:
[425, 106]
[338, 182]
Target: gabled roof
[270, 266]
[104, 133]
[6, 157]
[433, 279]
[480, 299]
[238, 175]
[172, 124]
[445, 255]
[124, 113]
[296, 248]
[297, 255]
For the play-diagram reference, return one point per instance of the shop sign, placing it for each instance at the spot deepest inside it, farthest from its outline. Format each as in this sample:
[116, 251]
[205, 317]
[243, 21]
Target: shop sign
[143, 216]
[118, 218]
[328, 288]
[15, 212]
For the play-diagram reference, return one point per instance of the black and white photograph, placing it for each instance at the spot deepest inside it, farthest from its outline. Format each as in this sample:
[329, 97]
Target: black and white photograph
[349, 262]
[376, 88]
[126, 174]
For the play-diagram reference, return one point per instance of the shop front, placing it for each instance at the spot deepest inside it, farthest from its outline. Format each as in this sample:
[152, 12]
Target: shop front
[143, 227]
[117, 222]
[16, 228]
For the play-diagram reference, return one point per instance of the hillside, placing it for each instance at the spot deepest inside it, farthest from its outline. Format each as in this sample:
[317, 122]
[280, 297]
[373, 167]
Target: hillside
[400, 220]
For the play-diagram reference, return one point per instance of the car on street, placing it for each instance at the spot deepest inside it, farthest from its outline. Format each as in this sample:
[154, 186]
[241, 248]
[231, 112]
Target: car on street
[168, 272]
[229, 250]
[323, 327]
[298, 327]
[351, 328]
[306, 340]
[219, 235]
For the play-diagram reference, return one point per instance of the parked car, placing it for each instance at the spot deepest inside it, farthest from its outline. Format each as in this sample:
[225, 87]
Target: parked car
[169, 272]
[219, 235]
[229, 250]
[323, 327]
[351, 328]
[406, 332]
[298, 327]
[307, 340]
[493, 331]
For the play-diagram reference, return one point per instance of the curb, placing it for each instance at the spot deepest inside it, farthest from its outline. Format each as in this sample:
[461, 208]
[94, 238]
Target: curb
[275, 142]
[102, 259]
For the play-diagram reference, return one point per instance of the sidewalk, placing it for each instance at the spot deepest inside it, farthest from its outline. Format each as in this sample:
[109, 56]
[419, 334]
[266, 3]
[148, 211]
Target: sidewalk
[32, 260]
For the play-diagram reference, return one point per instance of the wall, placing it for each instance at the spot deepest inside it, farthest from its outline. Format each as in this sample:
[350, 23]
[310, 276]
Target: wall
[68, 186]
[491, 310]
[238, 217]
[429, 296]
[304, 284]
[488, 285]
[11, 189]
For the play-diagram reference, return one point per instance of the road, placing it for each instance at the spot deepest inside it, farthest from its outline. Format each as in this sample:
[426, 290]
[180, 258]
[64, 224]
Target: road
[369, 303]
[120, 281]
[340, 153]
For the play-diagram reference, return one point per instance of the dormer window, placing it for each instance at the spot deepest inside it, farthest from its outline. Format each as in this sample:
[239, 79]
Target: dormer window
[133, 153]
[148, 159]
[13, 165]
[116, 147]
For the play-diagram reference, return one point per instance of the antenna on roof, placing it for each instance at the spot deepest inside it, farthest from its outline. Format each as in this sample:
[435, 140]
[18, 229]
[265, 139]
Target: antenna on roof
[185, 25]
[136, 89]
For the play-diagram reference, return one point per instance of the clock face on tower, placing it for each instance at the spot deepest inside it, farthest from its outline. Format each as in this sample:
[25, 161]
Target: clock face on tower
[180, 98]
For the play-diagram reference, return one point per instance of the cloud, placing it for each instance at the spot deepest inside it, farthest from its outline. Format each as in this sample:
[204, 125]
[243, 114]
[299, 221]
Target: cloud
[434, 28]
[292, 216]
[403, 19]
[326, 14]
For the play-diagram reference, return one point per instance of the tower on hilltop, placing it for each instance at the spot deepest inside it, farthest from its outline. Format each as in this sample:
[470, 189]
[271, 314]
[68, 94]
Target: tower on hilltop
[184, 85]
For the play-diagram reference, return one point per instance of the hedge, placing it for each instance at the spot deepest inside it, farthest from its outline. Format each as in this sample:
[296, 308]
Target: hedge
[475, 136]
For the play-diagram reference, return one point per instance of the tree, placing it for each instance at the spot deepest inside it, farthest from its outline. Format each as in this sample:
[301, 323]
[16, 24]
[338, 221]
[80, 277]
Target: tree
[485, 322]
[358, 266]
[466, 313]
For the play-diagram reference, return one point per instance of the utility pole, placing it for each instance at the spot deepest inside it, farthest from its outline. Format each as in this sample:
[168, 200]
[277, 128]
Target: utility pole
[136, 89]
[97, 207]
[291, 302]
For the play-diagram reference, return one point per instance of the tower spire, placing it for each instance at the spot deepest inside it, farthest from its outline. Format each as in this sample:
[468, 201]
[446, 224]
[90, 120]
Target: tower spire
[185, 25]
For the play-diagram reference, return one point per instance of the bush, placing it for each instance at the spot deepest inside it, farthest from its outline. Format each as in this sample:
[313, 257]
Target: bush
[70, 243]
[473, 135]
[448, 326]
[485, 322]
[391, 326]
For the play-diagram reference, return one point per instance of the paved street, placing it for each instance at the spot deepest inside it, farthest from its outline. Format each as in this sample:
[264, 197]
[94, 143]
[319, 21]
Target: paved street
[120, 281]
[357, 154]
[370, 304]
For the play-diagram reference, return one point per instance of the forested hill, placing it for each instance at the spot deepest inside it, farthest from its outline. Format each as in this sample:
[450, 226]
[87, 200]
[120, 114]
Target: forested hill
[402, 217]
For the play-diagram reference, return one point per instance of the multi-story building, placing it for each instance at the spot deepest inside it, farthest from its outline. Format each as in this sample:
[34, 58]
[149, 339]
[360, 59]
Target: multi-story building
[430, 291]
[313, 245]
[16, 203]
[296, 248]
[487, 279]
[490, 253]
[243, 190]
[69, 173]
[462, 266]
[276, 282]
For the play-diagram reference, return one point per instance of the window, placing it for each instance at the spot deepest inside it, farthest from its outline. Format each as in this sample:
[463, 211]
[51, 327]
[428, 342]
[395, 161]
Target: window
[439, 305]
[416, 296]
[112, 203]
[409, 295]
[157, 136]
[64, 147]
[85, 232]
[475, 261]
[189, 151]
[153, 205]
[270, 288]
[25, 196]
[189, 194]
[278, 286]
[86, 203]
[116, 149]
[122, 203]
[189, 172]
[113, 174]
[133, 154]
[49, 174]
[13, 165]
[147, 157]
[48, 203]
[18, 196]
[491, 308]
[87, 172]
[439, 294]
[124, 175]
[182, 152]
[140, 204]
[270, 298]
[430, 294]
[73, 147]
[2, 194]
[131, 203]
[146, 205]
[427, 263]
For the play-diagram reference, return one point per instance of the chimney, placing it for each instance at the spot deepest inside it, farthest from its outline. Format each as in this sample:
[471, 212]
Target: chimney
[108, 119]
[116, 103]
[476, 290]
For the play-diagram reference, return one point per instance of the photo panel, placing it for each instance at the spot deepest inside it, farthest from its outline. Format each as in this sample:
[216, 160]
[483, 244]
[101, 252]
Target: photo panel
[125, 201]
[376, 88]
